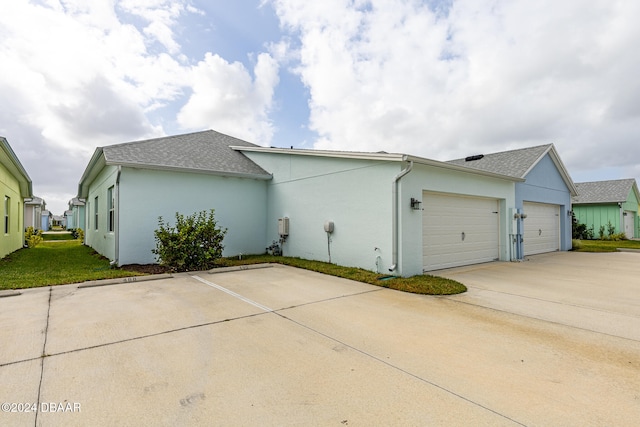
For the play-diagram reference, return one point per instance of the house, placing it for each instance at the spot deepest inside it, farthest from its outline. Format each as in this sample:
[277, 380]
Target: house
[47, 220]
[15, 186]
[58, 221]
[391, 213]
[542, 211]
[614, 202]
[33, 208]
[127, 187]
[75, 214]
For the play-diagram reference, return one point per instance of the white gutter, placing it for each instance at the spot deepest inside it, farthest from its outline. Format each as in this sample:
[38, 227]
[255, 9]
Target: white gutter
[396, 214]
[116, 217]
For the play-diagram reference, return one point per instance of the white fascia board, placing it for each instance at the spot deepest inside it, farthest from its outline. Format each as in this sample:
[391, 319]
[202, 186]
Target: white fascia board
[450, 166]
[16, 169]
[190, 170]
[93, 168]
[322, 153]
[390, 157]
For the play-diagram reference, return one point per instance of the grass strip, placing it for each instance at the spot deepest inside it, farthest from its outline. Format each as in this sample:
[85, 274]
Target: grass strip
[420, 284]
[604, 245]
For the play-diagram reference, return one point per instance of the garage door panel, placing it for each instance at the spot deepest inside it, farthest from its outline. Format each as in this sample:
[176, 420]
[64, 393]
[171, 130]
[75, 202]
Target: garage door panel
[459, 230]
[541, 228]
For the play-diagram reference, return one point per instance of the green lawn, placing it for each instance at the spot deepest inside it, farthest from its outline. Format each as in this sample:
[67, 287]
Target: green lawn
[57, 236]
[55, 263]
[604, 245]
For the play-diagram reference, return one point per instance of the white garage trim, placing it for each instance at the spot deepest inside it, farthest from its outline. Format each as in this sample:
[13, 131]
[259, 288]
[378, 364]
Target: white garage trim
[459, 230]
[541, 228]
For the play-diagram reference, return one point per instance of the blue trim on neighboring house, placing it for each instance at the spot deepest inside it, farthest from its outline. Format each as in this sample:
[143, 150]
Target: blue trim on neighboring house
[545, 184]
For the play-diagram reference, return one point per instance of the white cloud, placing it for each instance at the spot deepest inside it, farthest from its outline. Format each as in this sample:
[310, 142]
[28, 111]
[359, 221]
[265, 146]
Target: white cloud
[76, 75]
[447, 79]
[226, 98]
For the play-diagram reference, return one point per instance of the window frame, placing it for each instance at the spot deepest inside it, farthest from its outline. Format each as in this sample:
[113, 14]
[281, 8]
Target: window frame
[95, 213]
[110, 209]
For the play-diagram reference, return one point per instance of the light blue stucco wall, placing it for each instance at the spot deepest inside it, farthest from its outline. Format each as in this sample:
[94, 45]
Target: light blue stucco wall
[99, 238]
[353, 193]
[544, 184]
[436, 179]
[239, 203]
[358, 195]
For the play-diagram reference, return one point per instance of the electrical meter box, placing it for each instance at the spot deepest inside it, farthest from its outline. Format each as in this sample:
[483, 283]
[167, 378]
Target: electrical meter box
[283, 226]
[328, 226]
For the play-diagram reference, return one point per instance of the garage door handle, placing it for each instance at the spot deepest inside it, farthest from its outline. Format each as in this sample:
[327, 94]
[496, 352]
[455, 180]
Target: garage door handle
[540, 232]
[463, 236]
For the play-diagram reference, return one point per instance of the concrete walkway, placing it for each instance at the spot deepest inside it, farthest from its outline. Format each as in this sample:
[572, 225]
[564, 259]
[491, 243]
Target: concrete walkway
[281, 346]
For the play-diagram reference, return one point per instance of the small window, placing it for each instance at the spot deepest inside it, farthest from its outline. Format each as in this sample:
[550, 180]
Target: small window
[95, 213]
[111, 204]
[7, 205]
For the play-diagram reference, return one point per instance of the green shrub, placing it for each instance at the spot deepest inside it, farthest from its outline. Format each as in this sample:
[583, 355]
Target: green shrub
[576, 244]
[33, 237]
[193, 244]
[78, 234]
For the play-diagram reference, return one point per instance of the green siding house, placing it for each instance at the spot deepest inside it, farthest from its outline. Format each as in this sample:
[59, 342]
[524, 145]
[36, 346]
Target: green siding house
[15, 186]
[615, 202]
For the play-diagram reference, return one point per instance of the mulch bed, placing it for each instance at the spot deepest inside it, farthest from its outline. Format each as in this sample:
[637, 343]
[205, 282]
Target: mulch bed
[146, 268]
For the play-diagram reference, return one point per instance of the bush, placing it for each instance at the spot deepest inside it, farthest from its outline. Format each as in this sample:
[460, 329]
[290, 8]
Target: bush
[33, 237]
[78, 234]
[193, 244]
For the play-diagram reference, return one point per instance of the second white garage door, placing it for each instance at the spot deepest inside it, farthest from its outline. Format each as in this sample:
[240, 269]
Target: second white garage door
[458, 230]
[541, 228]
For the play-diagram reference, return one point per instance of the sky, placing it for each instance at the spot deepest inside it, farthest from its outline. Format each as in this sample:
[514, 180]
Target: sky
[441, 79]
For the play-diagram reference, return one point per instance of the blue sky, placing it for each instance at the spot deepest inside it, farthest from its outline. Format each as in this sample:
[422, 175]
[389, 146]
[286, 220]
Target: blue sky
[438, 79]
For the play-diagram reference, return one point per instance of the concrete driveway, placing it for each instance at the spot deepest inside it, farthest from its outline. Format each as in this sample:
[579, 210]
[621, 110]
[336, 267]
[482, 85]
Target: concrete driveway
[282, 346]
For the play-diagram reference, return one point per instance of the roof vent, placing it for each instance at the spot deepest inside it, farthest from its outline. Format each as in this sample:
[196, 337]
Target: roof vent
[472, 158]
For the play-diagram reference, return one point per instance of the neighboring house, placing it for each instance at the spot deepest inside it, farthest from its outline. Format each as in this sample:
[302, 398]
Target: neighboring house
[58, 221]
[602, 202]
[75, 215]
[67, 218]
[542, 211]
[47, 220]
[392, 213]
[33, 208]
[15, 186]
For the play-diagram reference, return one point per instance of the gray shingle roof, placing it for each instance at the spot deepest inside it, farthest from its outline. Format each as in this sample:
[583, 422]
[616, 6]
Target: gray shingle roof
[206, 151]
[614, 191]
[514, 163]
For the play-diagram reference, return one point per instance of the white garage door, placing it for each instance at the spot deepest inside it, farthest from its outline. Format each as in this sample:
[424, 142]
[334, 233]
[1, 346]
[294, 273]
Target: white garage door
[541, 228]
[629, 224]
[458, 230]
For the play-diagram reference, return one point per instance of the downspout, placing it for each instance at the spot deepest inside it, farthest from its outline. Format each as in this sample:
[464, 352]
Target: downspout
[116, 219]
[396, 214]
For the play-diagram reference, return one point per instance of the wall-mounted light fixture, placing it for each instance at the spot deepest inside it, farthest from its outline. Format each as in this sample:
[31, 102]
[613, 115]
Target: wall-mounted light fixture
[624, 214]
[415, 204]
[569, 212]
[516, 215]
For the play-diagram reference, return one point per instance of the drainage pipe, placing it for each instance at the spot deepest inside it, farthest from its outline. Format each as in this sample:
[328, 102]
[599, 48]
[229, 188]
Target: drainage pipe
[396, 214]
[116, 217]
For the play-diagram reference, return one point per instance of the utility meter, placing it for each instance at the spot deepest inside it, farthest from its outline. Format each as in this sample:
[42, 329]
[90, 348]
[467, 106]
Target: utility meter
[328, 226]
